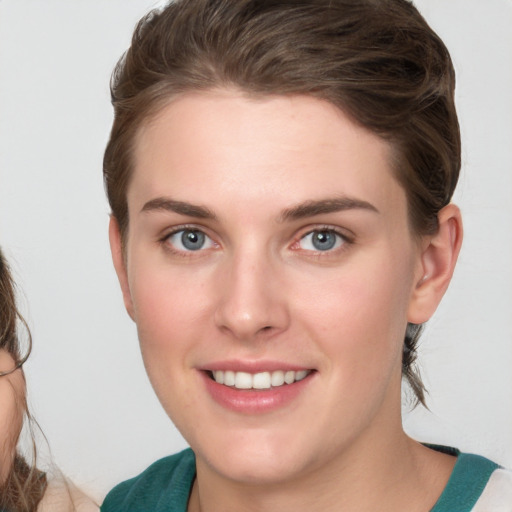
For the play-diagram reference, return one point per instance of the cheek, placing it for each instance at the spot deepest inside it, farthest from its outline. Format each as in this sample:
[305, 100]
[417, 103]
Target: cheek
[166, 330]
[12, 397]
[170, 313]
[167, 304]
[359, 316]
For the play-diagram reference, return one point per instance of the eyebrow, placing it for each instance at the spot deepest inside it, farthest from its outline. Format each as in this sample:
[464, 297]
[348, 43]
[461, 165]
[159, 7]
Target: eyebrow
[297, 212]
[322, 206]
[180, 207]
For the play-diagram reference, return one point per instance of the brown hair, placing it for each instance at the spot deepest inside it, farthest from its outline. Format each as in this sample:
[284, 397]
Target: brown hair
[377, 60]
[25, 485]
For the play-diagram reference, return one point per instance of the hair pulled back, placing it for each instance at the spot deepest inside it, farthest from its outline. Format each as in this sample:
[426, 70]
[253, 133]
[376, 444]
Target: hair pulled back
[376, 60]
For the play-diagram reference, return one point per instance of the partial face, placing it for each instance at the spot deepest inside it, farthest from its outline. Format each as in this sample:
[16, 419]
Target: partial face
[12, 390]
[270, 270]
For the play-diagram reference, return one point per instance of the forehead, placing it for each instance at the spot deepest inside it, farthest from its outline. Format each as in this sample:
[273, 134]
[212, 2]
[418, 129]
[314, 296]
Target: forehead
[271, 148]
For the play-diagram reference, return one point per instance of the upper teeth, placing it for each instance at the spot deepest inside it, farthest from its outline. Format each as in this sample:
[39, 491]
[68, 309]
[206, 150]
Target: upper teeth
[262, 380]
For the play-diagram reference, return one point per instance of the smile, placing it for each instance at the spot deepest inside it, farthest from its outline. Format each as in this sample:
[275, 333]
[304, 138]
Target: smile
[260, 380]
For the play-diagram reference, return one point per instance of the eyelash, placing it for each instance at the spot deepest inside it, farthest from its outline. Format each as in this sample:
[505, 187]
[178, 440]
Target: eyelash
[165, 241]
[341, 244]
[343, 241]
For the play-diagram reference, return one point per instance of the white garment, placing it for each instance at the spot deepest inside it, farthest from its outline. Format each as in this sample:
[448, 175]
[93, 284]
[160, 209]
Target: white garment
[497, 495]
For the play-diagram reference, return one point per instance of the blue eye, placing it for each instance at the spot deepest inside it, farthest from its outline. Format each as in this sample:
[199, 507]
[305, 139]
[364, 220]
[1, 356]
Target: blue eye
[190, 240]
[321, 240]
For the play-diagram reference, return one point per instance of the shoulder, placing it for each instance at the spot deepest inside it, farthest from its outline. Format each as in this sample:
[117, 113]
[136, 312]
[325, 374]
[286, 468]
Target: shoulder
[497, 494]
[476, 484]
[165, 483]
[62, 495]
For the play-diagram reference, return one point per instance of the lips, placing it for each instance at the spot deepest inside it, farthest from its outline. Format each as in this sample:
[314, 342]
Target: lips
[255, 388]
[260, 380]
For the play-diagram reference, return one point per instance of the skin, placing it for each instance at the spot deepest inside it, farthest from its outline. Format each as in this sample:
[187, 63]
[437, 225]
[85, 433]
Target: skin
[259, 290]
[12, 389]
[61, 495]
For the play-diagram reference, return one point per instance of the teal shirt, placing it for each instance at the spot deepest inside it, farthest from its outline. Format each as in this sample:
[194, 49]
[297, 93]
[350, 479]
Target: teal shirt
[467, 481]
[165, 486]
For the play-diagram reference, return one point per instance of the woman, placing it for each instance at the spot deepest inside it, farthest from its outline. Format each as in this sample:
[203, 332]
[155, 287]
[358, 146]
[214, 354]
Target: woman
[280, 177]
[23, 487]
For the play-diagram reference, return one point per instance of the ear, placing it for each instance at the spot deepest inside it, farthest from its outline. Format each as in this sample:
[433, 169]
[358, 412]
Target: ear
[116, 248]
[438, 257]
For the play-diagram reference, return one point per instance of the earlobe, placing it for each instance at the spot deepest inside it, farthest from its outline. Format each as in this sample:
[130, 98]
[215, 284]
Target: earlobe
[438, 258]
[116, 248]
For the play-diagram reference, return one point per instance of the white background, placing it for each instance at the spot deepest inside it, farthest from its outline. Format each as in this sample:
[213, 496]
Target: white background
[87, 386]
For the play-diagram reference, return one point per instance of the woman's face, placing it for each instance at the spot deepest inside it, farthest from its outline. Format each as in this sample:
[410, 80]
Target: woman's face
[268, 240]
[12, 390]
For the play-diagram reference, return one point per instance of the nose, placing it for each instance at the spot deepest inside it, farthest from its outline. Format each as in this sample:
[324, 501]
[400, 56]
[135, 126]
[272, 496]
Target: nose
[252, 299]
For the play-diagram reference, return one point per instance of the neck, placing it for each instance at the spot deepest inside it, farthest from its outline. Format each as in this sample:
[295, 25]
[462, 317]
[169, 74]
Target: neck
[399, 474]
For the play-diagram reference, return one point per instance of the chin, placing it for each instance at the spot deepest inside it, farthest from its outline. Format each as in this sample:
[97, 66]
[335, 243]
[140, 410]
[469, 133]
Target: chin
[264, 469]
[255, 458]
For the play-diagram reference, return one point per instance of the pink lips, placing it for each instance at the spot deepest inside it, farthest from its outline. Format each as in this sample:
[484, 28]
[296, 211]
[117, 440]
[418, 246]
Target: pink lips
[253, 401]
